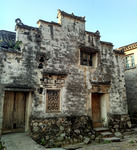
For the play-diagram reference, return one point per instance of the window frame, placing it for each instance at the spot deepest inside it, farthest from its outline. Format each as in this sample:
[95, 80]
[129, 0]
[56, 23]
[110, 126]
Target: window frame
[130, 61]
[53, 111]
[87, 59]
[89, 51]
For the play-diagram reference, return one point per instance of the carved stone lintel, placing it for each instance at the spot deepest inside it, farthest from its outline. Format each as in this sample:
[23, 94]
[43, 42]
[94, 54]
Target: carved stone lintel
[100, 89]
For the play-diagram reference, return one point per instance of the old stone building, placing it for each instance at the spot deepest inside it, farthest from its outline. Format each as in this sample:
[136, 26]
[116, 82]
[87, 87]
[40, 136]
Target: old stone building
[60, 76]
[130, 78]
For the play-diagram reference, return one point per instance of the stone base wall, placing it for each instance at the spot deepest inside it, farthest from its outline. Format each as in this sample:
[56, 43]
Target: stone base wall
[119, 123]
[133, 117]
[54, 132]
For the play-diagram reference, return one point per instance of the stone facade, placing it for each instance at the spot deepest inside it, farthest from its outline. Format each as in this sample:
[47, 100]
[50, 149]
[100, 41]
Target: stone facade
[48, 67]
[54, 132]
[120, 123]
[130, 78]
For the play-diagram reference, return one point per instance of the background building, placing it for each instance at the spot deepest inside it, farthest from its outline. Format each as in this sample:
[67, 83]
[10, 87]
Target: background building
[131, 77]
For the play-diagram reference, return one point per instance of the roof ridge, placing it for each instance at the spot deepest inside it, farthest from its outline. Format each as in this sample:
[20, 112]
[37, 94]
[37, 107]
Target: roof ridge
[8, 31]
[127, 45]
[71, 15]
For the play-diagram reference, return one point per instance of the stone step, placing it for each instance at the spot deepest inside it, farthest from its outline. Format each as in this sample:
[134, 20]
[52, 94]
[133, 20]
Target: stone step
[134, 120]
[135, 130]
[134, 125]
[100, 129]
[107, 134]
[112, 139]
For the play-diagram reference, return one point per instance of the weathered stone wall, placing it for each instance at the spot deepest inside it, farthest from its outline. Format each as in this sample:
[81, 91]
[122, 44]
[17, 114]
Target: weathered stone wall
[16, 72]
[119, 123]
[54, 132]
[118, 99]
[53, 50]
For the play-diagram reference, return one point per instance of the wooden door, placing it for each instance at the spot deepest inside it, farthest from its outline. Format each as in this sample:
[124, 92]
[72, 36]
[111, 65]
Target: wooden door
[14, 112]
[96, 110]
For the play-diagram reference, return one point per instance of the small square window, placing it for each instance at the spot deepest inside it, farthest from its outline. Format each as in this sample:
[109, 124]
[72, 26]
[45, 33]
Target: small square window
[86, 58]
[53, 100]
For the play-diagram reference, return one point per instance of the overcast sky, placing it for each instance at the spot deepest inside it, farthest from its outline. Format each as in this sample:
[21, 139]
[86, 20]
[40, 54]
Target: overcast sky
[115, 19]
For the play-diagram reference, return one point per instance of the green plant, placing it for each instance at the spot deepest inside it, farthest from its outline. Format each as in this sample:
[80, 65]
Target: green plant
[1, 146]
[11, 44]
[131, 142]
[42, 142]
[17, 44]
[106, 142]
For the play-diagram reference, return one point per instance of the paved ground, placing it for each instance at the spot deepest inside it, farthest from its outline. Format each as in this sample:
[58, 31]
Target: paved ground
[20, 141]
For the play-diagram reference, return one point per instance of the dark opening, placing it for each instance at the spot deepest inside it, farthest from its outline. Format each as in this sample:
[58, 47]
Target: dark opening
[86, 58]
[40, 90]
[40, 66]
[41, 59]
[14, 125]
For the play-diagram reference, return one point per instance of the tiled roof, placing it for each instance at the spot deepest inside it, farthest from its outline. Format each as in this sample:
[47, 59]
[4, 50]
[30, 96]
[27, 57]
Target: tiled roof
[119, 51]
[71, 15]
[21, 25]
[107, 43]
[7, 41]
[128, 47]
[97, 33]
[93, 49]
[51, 23]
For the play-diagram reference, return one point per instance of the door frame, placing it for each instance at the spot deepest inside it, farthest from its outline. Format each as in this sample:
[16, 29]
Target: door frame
[28, 104]
[96, 110]
[104, 106]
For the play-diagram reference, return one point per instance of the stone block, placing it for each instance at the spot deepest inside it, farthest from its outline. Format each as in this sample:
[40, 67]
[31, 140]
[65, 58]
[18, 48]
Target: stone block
[93, 137]
[61, 128]
[86, 140]
[59, 139]
[77, 131]
[35, 124]
[36, 129]
[129, 124]
[116, 126]
[63, 135]
[118, 134]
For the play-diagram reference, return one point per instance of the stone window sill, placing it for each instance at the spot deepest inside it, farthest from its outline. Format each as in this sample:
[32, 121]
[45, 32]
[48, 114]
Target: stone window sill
[130, 68]
[53, 112]
[88, 67]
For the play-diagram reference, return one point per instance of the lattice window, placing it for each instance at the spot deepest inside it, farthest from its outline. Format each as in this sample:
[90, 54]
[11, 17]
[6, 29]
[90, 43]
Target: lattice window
[53, 100]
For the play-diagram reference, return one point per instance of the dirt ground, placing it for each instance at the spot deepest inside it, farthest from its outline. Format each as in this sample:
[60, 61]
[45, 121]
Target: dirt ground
[128, 143]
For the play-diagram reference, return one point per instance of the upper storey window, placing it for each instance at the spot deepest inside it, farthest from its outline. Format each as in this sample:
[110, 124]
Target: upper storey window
[86, 58]
[89, 56]
[130, 61]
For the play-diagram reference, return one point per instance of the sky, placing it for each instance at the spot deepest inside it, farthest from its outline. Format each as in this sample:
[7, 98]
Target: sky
[116, 20]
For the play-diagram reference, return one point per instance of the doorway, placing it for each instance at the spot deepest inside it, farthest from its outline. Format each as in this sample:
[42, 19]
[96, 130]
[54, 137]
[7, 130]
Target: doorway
[96, 110]
[14, 112]
[100, 109]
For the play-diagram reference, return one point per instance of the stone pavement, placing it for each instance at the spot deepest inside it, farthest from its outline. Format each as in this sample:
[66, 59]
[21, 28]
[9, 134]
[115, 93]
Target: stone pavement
[129, 143]
[20, 141]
